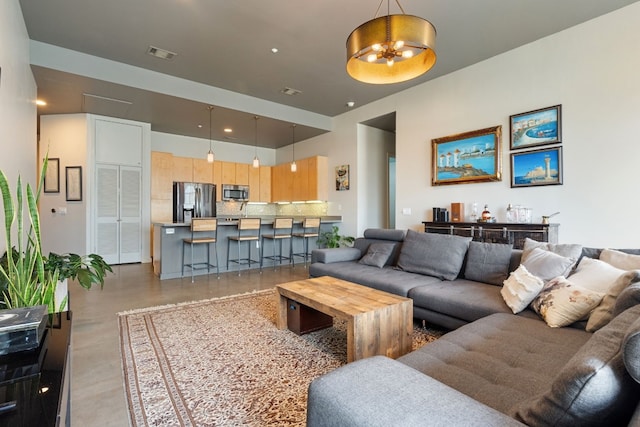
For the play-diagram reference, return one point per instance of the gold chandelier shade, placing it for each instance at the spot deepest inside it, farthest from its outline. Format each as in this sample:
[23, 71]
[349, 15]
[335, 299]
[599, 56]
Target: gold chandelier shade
[391, 49]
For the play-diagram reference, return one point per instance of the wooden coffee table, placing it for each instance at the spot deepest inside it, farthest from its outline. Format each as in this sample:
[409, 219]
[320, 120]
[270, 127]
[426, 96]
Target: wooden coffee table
[378, 323]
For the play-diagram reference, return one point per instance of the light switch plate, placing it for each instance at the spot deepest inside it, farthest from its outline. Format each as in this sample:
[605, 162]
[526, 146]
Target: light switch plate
[406, 211]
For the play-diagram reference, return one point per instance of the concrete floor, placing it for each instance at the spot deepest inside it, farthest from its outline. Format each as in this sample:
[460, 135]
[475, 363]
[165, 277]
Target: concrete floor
[97, 392]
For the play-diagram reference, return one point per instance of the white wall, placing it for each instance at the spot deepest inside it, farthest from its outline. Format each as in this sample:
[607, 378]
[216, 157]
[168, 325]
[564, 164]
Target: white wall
[17, 101]
[65, 137]
[590, 69]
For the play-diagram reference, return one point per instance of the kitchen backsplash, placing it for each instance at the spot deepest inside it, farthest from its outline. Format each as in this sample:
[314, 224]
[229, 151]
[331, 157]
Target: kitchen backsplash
[271, 209]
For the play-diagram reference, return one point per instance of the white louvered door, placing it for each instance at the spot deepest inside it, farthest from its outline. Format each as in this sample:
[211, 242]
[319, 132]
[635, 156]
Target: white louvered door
[119, 213]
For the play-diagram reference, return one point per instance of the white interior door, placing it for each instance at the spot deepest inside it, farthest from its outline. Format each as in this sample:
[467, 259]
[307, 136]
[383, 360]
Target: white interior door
[119, 213]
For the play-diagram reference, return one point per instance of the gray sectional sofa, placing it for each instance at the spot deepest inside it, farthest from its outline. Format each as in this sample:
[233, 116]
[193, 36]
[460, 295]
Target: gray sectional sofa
[494, 368]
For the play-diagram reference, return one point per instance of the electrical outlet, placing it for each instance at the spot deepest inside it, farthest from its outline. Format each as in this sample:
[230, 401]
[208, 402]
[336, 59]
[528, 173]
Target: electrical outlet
[62, 210]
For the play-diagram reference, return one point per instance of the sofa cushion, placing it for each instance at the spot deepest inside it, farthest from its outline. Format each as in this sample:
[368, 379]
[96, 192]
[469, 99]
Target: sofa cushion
[547, 265]
[499, 360]
[386, 279]
[463, 299]
[437, 255]
[620, 259]
[572, 251]
[384, 234]
[627, 298]
[631, 350]
[595, 274]
[488, 262]
[560, 303]
[603, 313]
[520, 289]
[377, 254]
[594, 388]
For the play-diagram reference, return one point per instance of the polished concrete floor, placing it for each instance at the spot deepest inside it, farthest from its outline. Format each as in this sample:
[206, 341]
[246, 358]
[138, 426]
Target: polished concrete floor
[97, 392]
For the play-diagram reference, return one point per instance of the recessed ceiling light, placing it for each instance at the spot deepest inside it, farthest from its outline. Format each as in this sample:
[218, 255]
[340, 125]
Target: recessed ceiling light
[199, 126]
[40, 102]
[274, 50]
[161, 53]
[290, 91]
[228, 130]
[350, 104]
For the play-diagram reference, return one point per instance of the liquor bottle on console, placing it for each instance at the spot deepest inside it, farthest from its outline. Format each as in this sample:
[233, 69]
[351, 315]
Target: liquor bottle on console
[486, 215]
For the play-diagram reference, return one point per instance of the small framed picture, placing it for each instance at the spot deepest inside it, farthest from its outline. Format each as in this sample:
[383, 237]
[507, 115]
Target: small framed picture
[342, 177]
[536, 128]
[52, 176]
[74, 183]
[536, 168]
[467, 157]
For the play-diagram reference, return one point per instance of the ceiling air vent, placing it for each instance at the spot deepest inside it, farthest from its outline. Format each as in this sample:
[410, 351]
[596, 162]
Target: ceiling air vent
[161, 53]
[290, 91]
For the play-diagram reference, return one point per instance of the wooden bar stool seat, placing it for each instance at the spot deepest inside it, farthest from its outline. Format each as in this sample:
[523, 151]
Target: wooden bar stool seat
[282, 230]
[310, 230]
[204, 231]
[248, 231]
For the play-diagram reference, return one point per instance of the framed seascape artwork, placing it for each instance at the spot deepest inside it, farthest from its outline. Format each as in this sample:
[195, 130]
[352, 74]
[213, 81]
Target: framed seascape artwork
[536, 128]
[52, 176]
[74, 183]
[467, 157]
[536, 168]
[342, 177]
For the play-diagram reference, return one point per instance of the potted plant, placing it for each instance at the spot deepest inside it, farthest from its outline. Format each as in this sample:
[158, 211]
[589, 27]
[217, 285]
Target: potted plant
[28, 278]
[333, 239]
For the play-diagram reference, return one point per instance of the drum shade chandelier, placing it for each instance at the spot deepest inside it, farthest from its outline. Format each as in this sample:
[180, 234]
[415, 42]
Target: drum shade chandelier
[391, 48]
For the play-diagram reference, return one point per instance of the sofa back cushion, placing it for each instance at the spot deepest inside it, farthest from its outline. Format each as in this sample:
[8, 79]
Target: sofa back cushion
[384, 234]
[381, 235]
[488, 262]
[594, 387]
[631, 350]
[437, 255]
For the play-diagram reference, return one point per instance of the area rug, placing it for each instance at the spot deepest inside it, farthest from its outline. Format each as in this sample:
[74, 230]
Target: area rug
[223, 362]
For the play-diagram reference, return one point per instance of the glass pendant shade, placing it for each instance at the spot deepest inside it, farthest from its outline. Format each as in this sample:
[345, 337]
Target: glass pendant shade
[391, 49]
[294, 167]
[256, 160]
[210, 156]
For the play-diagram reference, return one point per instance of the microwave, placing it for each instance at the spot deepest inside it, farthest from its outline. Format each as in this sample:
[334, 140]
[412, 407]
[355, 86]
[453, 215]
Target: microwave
[235, 193]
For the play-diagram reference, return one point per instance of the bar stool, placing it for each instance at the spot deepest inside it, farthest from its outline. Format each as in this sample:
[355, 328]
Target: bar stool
[207, 234]
[282, 230]
[248, 231]
[310, 229]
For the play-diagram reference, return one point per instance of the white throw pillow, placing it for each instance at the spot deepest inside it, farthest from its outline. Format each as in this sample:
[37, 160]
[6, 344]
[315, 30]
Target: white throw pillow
[547, 265]
[562, 303]
[620, 259]
[595, 275]
[520, 288]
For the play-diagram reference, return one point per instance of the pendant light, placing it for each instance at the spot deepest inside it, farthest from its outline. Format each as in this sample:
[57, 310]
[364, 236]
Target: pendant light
[294, 167]
[256, 160]
[210, 156]
[391, 48]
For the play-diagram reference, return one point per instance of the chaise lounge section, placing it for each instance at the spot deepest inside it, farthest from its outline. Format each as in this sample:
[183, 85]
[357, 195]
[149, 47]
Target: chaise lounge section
[495, 368]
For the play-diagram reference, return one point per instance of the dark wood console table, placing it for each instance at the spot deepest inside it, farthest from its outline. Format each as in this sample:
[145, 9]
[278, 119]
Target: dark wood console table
[496, 232]
[35, 384]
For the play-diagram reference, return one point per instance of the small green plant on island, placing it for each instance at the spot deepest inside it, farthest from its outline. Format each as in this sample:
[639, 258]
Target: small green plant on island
[333, 239]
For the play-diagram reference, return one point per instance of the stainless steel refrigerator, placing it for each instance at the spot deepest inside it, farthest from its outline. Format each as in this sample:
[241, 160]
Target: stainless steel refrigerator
[193, 200]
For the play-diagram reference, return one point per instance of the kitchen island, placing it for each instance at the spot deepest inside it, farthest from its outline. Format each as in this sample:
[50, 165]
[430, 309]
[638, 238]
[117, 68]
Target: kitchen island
[167, 244]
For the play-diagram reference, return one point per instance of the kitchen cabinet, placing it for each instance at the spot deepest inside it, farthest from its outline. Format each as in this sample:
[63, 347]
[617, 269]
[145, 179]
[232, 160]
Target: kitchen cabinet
[182, 169]
[161, 175]
[202, 171]
[228, 172]
[260, 184]
[217, 179]
[242, 174]
[309, 182]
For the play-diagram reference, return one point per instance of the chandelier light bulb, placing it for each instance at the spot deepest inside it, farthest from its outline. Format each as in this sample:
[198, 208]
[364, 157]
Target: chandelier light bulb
[372, 57]
[377, 47]
[407, 53]
[390, 62]
[398, 45]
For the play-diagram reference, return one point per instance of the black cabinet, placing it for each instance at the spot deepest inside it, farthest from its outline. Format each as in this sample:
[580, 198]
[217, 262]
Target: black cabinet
[496, 232]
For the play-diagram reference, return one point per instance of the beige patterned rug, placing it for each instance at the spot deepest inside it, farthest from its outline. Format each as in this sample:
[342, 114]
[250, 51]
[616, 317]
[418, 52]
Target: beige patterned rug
[223, 362]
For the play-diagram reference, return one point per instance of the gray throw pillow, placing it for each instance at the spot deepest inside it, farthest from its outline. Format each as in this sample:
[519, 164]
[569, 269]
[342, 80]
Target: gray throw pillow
[572, 251]
[593, 388]
[488, 262]
[377, 254]
[627, 298]
[437, 255]
[547, 265]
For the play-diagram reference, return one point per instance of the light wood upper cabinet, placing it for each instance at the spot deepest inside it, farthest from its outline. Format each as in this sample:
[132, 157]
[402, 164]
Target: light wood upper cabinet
[228, 172]
[318, 172]
[309, 182]
[202, 171]
[265, 183]
[183, 169]
[242, 174]
[300, 179]
[217, 179]
[161, 175]
[254, 184]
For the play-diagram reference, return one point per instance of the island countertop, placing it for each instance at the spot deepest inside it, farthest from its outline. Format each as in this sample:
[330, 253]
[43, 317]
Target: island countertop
[168, 242]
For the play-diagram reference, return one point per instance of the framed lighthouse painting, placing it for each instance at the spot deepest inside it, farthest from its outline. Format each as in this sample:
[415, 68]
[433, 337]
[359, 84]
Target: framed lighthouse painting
[536, 168]
[467, 157]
